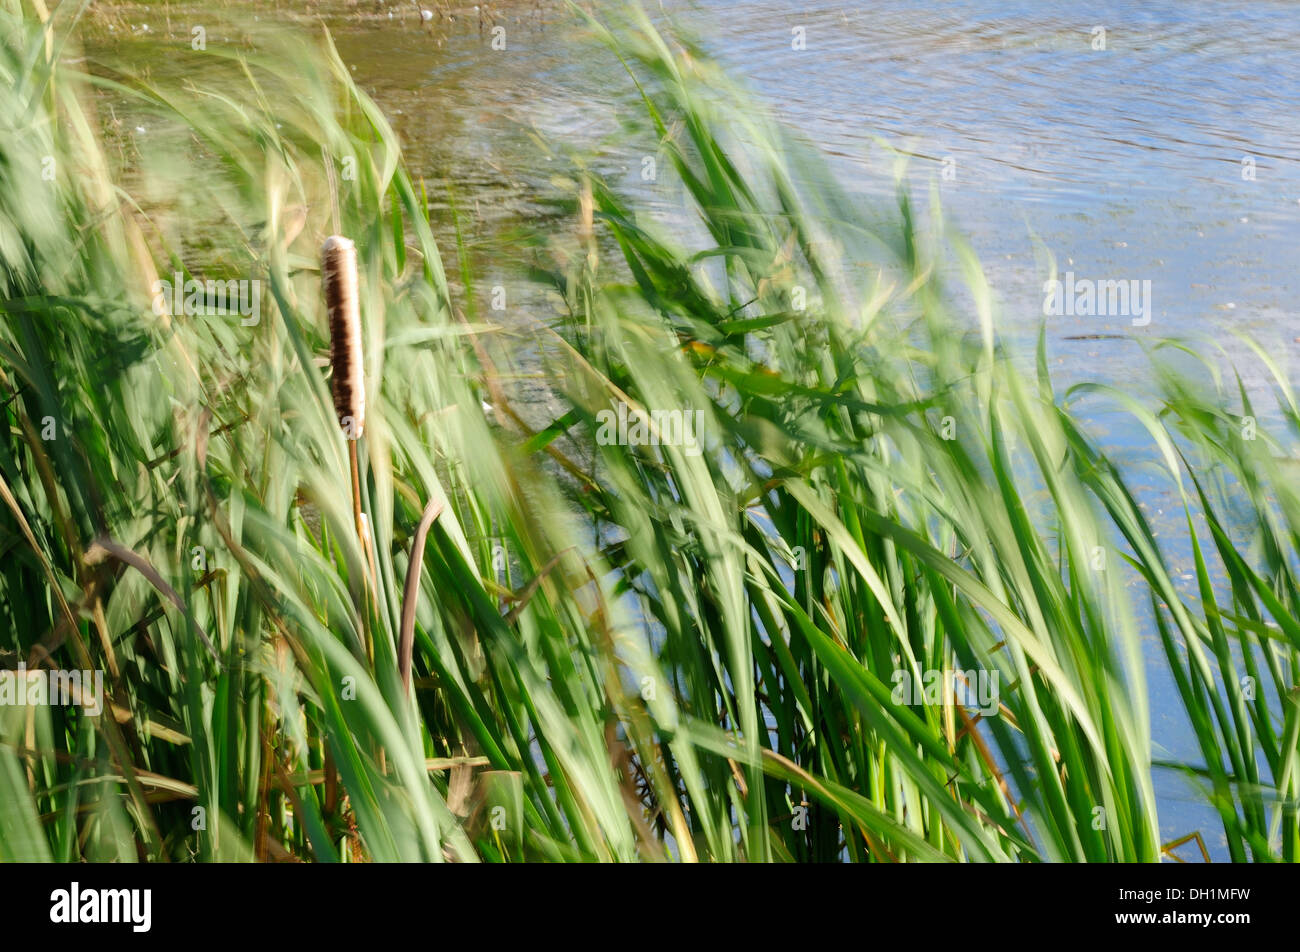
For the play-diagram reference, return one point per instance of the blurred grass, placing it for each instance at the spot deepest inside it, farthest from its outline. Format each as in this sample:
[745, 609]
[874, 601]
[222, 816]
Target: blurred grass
[621, 652]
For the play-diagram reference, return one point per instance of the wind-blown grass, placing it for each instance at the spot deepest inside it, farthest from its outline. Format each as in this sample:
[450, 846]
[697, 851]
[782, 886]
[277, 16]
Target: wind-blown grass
[619, 652]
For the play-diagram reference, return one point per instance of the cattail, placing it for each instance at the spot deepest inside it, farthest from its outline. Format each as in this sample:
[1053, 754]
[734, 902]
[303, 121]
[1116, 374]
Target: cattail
[339, 276]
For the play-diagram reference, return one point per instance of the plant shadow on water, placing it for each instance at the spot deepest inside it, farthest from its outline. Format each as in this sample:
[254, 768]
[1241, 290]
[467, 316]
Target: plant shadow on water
[628, 646]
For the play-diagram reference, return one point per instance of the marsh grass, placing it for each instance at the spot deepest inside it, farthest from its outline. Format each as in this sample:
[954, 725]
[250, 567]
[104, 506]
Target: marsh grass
[616, 652]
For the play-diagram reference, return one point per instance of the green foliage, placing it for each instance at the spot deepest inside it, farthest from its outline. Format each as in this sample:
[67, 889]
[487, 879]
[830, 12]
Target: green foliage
[656, 651]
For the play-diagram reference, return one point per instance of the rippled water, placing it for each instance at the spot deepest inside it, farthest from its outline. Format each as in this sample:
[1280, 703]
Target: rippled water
[1125, 162]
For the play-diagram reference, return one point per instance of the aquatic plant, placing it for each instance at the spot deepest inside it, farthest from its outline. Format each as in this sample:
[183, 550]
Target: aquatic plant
[733, 643]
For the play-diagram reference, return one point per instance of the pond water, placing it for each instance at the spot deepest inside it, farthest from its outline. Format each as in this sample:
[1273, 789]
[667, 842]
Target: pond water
[1146, 141]
[1170, 156]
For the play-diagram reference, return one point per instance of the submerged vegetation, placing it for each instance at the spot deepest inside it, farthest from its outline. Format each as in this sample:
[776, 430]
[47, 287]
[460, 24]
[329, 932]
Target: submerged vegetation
[680, 646]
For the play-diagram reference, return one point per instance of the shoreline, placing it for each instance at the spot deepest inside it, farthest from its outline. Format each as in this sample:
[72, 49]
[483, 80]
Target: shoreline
[141, 18]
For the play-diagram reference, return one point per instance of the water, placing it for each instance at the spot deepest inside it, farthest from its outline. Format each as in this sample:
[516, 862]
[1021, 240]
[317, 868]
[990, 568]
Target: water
[1127, 162]
[1170, 156]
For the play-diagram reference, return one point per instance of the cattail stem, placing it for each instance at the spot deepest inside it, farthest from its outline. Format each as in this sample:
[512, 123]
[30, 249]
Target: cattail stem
[356, 492]
[411, 592]
[364, 536]
[339, 277]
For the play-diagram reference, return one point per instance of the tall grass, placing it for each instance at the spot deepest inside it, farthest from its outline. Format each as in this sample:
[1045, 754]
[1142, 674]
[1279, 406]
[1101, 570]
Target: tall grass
[617, 652]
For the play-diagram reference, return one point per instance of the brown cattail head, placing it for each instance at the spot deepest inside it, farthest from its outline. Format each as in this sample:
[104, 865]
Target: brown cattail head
[339, 276]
